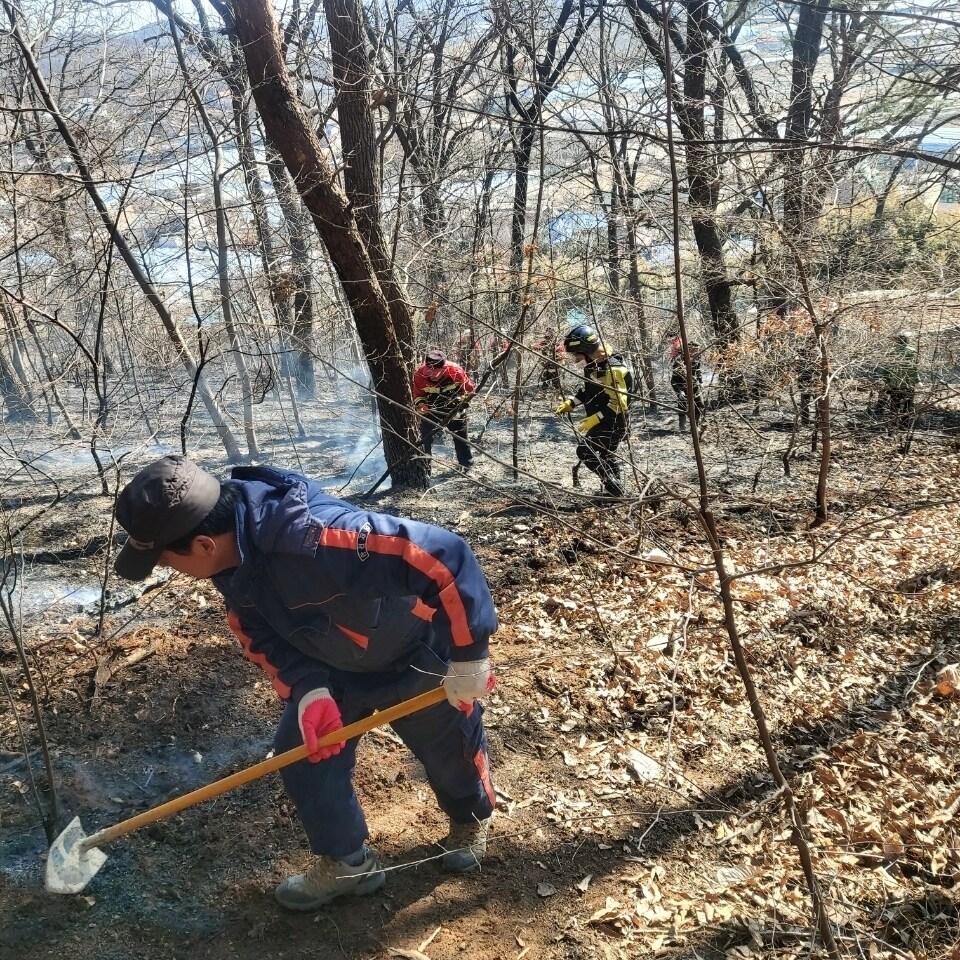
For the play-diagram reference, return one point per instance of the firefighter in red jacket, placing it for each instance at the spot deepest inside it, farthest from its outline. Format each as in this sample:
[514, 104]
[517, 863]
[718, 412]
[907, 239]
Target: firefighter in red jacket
[441, 392]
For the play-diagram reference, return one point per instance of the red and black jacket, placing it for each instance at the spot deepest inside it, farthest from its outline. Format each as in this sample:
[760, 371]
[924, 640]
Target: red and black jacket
[441, 388]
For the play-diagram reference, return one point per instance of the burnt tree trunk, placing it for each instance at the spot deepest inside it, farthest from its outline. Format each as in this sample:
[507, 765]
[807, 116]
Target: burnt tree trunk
[703, 170]
[806, 52]
[518, 221]
[351, 76]
[286, 125]
[703, 176]
[796, 199]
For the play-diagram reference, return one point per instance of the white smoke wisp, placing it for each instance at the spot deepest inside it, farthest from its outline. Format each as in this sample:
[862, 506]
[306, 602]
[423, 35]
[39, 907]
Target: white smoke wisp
[354, 436]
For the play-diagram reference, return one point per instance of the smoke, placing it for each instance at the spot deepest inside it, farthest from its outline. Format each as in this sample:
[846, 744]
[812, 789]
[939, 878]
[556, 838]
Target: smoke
[356, 430]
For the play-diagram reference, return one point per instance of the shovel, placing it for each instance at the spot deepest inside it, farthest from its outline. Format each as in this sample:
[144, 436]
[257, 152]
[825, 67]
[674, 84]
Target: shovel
[74, 858]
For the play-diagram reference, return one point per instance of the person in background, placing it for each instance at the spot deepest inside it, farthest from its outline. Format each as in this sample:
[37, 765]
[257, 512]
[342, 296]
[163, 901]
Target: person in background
[678, 379]
[605, 396]
[900, 377]
[441, 392]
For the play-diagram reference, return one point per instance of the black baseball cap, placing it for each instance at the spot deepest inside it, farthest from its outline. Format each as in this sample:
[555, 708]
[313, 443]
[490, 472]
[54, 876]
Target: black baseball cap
[435, 358]
[161, 504]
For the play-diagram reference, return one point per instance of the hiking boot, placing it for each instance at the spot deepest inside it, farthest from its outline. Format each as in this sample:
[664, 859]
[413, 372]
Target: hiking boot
[466, 845]
[328, 879]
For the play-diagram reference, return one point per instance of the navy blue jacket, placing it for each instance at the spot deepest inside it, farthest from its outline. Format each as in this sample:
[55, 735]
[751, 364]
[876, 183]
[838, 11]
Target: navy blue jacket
[323, 584]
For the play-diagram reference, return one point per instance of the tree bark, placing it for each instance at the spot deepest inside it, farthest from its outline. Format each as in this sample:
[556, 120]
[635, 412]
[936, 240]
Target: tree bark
[351, 76]
[333, 215]
[806, 52]
[276, 285]
[613, 241]
[636, 294]
[703, 173]
[16, 385]
[279, 299]
[18, 409]
[703, 176]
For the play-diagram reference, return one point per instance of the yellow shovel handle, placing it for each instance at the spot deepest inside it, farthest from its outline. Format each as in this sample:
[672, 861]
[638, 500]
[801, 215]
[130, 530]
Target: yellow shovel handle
[351, 730]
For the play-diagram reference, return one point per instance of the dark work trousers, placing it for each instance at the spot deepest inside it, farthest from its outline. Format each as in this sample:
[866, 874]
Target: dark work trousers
[597, 450]
[678, 381]
[550, 376]
[451, 746]
[431, 425]
[901, 401]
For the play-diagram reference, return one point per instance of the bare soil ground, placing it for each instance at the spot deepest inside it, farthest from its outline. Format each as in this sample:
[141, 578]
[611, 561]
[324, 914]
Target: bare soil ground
[637, 817]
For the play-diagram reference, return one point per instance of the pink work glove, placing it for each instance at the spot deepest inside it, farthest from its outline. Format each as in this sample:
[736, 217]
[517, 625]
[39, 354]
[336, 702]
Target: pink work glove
[319, 714]
[466, 681]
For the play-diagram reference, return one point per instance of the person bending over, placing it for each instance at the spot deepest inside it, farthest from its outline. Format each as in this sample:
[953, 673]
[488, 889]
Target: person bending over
[347, 612]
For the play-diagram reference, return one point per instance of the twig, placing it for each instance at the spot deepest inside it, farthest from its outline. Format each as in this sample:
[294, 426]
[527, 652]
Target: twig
[106, 561]
[53, 813]
[426, 943]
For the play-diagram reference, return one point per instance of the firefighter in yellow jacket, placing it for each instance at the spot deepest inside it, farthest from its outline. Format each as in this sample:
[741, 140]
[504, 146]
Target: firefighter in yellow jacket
[605, 396]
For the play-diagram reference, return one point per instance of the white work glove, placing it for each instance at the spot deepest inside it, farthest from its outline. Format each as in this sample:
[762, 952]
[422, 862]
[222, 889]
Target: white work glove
[466, 681]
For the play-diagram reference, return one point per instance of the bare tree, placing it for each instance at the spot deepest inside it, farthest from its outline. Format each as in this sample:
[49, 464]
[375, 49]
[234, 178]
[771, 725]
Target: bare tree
[375, 310]
[156, 301]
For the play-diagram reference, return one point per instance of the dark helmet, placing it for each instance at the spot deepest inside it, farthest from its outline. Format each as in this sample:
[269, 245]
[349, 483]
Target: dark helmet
[435, 358]
[582, 339]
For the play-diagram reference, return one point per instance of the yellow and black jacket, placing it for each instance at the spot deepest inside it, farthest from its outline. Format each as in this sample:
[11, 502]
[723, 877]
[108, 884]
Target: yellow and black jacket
[605, 394]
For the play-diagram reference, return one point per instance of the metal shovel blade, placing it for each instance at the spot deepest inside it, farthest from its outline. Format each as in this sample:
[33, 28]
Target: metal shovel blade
[70, 865]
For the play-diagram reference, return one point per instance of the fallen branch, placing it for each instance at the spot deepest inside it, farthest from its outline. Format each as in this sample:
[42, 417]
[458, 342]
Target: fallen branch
[108, 667]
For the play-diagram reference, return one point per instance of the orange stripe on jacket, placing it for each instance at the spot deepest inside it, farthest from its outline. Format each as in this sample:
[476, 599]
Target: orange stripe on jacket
[483, 771]
[358, 638]
[419, 559]
[423, 610]
[246, 643]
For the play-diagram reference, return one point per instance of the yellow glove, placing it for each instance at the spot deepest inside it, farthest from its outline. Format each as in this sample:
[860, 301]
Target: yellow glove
[585, 426]
[565, 407]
